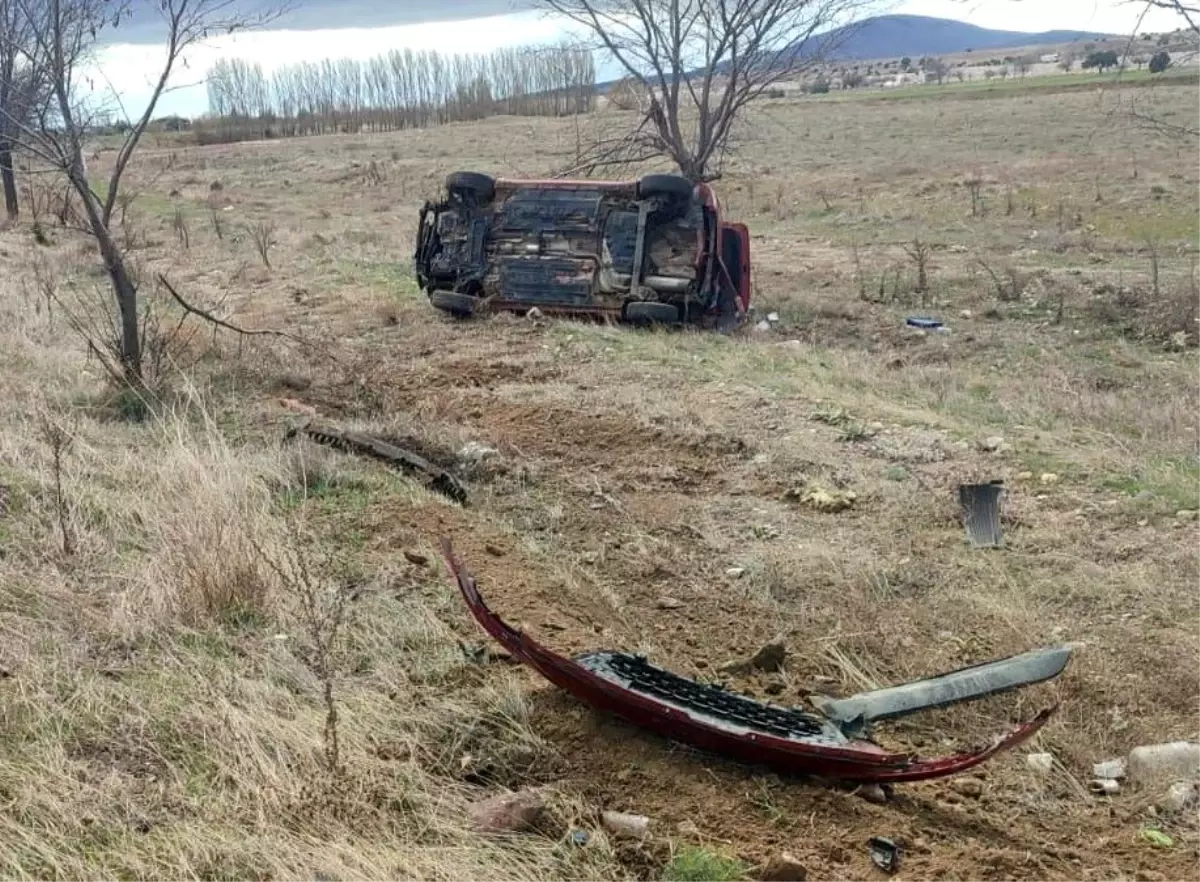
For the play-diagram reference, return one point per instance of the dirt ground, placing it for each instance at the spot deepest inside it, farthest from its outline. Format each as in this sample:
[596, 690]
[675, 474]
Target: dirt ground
[629, 468]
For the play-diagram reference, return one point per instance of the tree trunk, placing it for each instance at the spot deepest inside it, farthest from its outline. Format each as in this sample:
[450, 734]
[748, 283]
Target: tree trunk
[11, 206]
[126, 294]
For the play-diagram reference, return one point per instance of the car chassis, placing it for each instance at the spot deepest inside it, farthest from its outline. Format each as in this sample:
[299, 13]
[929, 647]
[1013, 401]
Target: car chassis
[654, 250]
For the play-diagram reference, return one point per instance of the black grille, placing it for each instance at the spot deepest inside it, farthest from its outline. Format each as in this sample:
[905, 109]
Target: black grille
[705, 698]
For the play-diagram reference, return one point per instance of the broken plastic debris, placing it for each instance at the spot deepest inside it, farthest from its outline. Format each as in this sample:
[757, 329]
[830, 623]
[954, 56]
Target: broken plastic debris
[926, 324]
[981, 513]
[1041, 762]
[884, 854]
[1104, 787]
[1157, 837]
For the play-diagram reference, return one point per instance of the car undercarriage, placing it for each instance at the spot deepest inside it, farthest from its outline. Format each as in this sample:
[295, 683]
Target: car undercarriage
[654, 250]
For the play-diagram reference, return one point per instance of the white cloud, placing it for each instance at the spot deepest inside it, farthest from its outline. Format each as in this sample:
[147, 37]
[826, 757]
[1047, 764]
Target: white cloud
[130, 70]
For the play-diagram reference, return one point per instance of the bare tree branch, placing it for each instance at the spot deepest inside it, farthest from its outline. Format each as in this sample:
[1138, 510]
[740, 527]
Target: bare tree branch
[54, 37]
[702, 62]
[221, 323]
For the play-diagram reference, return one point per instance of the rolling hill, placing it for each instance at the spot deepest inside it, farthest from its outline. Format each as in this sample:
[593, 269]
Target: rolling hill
[889, 36]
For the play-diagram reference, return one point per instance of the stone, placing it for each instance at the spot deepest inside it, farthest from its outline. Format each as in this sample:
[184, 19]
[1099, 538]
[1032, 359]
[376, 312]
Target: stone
[416, 558]
[534, 314]
[735, 572]
[1181, 795]
[1173, 760]
[1040, 762]
[873, 793]
[687, 828]
[1048, 478]
[991, 444]
[770, 659]
[969, 787]
[1113, 768]
[1024, 476]
[784, 868]
[794, 345]
[474, 452]
[669, 603]
[625, 826]
[507, 812]
[829, 501]
[965, 313]
[1187, 514]
[763, 326]
[772, 317]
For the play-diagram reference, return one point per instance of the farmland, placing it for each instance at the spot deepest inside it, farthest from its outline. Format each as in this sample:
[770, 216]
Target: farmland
[169, 643]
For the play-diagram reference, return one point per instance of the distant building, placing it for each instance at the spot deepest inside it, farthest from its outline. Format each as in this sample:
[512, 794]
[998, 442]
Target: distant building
[1050, 58]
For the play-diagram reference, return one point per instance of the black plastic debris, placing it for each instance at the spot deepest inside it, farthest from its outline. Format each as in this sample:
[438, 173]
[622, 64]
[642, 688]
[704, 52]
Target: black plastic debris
[885, 854]
[925, 324]
[981, 513]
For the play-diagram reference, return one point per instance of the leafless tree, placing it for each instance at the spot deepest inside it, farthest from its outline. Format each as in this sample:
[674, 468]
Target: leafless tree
[400, 89]
[60, 35]
[23, 91]
[701, 63]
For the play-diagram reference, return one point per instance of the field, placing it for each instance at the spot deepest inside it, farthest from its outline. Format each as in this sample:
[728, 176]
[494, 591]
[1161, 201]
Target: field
[173, 639]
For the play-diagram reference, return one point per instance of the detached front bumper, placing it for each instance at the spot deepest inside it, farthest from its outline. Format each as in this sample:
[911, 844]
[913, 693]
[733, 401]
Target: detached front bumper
[829, 744]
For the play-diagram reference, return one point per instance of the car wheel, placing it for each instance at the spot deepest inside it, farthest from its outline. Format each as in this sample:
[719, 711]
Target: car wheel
[671, 186]
[481, 185]
[460, 305]
[650, 312]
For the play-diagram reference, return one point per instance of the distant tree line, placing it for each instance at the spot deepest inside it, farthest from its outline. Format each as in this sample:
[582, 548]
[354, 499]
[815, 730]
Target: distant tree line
[396, 90]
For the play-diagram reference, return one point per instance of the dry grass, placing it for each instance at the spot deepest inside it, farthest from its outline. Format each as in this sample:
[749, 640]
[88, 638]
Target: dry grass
[162, 710]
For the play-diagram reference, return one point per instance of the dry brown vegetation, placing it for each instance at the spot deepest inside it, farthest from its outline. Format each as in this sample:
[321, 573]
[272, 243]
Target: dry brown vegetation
[185, 599]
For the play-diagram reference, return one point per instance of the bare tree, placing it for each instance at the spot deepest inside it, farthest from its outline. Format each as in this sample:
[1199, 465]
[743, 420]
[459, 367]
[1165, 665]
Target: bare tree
[61, 33]
[22, 91]
[701, 63]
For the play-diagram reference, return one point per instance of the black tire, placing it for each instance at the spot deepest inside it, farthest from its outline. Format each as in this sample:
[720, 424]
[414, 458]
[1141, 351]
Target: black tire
[651, 312]
[460, 305]
[671, 186]
[483, 186]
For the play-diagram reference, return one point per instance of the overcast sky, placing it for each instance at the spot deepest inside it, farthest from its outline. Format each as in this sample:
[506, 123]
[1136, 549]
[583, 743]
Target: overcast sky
[482, 25]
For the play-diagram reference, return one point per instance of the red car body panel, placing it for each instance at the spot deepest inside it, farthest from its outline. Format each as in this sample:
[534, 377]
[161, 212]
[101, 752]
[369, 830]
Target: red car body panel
[855, 760]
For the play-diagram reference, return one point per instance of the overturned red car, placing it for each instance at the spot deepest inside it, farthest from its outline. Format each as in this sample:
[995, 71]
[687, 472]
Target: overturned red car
[831, 744]
[656, 250]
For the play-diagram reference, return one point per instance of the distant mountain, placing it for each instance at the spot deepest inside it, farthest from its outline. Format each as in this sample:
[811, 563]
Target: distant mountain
[894, 36]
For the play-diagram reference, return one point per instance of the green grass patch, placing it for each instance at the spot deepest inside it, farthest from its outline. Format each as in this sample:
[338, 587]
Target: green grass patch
[1173, 479]
[396, 277]
[333, 491]
[694, 864]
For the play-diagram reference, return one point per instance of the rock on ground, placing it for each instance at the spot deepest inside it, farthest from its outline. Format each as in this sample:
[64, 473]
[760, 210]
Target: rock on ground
[784, 868]
[507, 812]
[625, 826]
[1174, 760]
